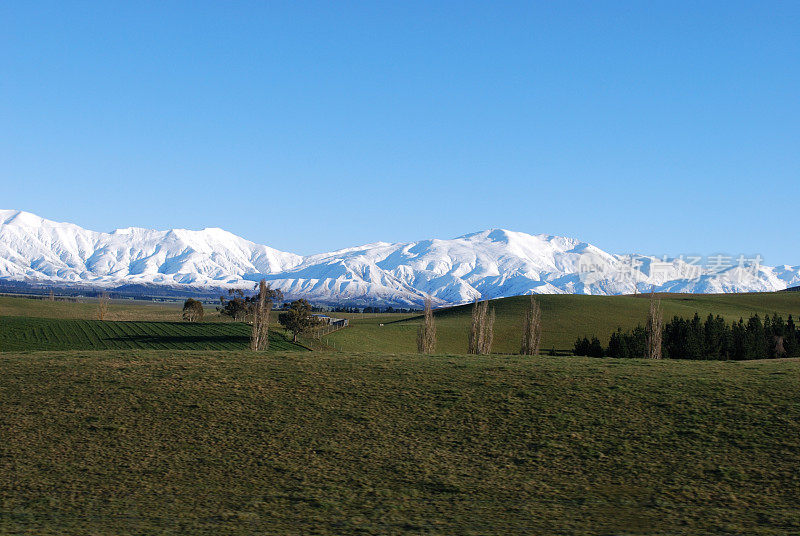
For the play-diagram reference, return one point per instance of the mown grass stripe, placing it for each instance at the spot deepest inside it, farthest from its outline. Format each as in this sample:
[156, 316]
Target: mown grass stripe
[49, 335]
[112, 337]
[98, 335]
[166, 330]
[21, 333]
[139, 335]
[121, 334]
[102, 334]
[83, 325]
[107, 335]
[63, 337]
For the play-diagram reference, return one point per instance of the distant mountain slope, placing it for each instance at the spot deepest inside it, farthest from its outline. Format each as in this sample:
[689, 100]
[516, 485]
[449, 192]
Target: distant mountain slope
[38, 249]
[488, 264]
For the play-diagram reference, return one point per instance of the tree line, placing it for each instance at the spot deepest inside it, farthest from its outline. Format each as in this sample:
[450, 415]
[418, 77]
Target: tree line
[712, 338]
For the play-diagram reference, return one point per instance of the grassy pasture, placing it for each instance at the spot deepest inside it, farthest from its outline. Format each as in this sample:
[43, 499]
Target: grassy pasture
[23, 333]
[564, 318]
[142, 442]
[86, 309]
[127, 310]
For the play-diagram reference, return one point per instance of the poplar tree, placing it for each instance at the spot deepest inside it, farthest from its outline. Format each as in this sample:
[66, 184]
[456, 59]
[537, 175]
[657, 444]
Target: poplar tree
[102, 305]
[262, 307]
[654, 328]
[532, 329]
[481, 334]
[426, 335]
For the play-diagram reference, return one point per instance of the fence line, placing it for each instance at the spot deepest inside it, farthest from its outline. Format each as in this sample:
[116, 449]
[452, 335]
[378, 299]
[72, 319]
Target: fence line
[334, 325]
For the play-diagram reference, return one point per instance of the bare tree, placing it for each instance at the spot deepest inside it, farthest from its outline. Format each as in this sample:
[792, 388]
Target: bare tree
[532, 329]
[52, 296]
[778, 346]
[426, 336]
[654, 328]
[488, 336]
[102, 305]
[259, 336]
[475, 328]
[481, 332]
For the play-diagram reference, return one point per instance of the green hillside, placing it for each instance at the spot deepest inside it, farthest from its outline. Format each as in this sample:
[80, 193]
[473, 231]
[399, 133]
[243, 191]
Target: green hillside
[67, 325]
[19, 333]
[564, 318]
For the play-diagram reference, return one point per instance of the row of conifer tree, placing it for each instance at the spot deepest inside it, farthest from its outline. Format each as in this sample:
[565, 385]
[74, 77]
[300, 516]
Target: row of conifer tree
[712, 338]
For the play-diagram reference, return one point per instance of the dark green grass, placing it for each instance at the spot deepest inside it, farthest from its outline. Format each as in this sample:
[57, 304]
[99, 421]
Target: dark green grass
[141, 442]
[86, 309]
[564, 318]
[19, 333]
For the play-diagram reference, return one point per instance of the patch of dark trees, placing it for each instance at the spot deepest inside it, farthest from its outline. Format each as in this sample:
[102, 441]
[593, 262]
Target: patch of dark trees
[711, 339]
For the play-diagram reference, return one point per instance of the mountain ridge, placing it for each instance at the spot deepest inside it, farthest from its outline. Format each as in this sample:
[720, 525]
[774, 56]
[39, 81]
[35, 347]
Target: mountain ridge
[492, 263]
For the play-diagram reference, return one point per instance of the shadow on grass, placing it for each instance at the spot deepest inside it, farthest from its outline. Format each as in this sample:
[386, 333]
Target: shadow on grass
[182, 339]
[207, 342]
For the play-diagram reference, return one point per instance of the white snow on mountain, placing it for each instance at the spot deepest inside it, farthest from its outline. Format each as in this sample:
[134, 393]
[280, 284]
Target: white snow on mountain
[488, 264]
[33, 248]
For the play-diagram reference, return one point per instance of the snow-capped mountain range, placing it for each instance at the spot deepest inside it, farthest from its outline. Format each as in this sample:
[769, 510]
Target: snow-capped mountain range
[488, 264]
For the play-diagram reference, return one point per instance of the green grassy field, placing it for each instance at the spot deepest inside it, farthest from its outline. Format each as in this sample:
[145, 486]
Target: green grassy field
[19, 333]
[564, 318]
[143, 442]
[86, 309]
[155, 426]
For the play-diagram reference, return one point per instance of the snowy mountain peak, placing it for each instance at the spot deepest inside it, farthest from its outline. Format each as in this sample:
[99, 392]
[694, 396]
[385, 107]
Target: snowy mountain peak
[35, 249]
[499, 235]
[486, 264]
[20, 217]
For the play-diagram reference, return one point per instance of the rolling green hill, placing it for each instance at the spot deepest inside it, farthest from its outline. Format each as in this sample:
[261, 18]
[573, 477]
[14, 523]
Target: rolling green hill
[19, 333]
[564, 318]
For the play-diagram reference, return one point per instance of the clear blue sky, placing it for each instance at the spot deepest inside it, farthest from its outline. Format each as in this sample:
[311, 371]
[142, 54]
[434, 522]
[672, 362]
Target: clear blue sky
[655, 127]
